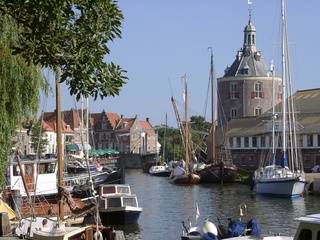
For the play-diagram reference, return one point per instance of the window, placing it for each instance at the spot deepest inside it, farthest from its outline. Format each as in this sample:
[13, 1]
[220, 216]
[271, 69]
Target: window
[305, 234]
[129, 201]
[234, 91]
[246, 142]
[233, 113]
[310, 140]
[254, 142]
[114, 202]
[231, 141]
[262, 141]
[318, 140]
[318, 236]
[257, 111]
[238, 142]
[257, 93]
[253, 40]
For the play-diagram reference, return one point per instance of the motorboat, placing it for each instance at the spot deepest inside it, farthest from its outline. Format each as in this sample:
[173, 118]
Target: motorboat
[117, 205]
[160, 170]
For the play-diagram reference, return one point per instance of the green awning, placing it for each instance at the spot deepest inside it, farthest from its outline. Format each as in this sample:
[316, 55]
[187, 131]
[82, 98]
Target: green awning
[102, 152]
[72, 148]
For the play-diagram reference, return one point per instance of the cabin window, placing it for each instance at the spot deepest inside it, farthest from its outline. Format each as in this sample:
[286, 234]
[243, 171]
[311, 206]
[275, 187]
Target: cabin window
[130, 202]
[234, 91]
[262, 141]
[123, 189]
[318, 140]
[16, 170]
[114, 202]
[45, 168]
[238, 142]
[310, 140]
[254, 142]
[108, 190]
[28, 169]
[318, 236]
[305, 234]
[246, 142]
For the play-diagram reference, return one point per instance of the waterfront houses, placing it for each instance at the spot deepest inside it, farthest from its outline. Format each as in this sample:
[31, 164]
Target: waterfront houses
[106, 130]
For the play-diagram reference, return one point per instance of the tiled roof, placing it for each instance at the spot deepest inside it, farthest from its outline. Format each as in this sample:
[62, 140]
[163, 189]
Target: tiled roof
[113, 118]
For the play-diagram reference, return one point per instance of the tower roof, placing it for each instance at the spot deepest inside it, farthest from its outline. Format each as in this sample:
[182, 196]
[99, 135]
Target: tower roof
[248, 61]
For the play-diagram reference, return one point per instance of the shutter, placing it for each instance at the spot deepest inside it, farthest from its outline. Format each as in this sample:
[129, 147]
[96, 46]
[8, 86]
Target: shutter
[262, 94]
[253, 94]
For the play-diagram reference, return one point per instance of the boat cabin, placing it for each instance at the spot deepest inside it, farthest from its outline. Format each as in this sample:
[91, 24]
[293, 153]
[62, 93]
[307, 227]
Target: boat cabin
[309, 228]
[114, 189]
[119, 201]
[40, 176]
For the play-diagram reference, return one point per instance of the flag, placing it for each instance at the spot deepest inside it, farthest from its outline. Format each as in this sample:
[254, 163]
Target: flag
[249, 2]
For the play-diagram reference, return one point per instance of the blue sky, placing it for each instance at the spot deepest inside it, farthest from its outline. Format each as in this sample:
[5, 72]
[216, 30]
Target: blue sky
[163, 39]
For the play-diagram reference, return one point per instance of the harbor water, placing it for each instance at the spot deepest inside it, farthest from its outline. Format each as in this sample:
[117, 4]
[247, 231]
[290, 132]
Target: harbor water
[166, 205]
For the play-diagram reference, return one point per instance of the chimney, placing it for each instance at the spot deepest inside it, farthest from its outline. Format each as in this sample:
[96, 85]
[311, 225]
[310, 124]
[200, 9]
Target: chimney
[121, 116]
[147, 119]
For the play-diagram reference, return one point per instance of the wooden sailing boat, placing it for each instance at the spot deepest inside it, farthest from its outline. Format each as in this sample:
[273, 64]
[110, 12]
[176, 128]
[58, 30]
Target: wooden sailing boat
[286, 179]
[184, 174]
[220, 168]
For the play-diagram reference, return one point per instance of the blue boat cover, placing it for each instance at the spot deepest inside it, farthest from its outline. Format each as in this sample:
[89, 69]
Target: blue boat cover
[254, 226]
[236, 228]
[210, 236]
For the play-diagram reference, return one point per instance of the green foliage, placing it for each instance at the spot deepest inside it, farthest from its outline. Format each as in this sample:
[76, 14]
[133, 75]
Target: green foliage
[73, 36]
[172, 141]
[199, 131]
[20, 84]
[39, 141]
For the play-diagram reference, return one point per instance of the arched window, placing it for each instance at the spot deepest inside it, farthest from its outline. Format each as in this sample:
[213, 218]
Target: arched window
[257, 111]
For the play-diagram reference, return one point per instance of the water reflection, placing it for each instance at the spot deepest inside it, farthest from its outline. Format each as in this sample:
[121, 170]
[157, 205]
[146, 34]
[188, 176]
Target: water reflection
[165, 205]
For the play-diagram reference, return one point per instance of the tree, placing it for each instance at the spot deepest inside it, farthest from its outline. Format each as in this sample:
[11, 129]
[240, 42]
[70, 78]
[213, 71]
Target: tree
[20, 85]
[71, 38]
[39, 141]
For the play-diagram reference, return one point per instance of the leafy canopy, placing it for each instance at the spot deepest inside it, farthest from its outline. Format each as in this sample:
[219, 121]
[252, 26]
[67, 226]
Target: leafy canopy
[20, 85]
[71, 35]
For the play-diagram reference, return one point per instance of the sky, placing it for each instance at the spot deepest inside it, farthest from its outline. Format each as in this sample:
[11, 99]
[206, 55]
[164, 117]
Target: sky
[164, 39]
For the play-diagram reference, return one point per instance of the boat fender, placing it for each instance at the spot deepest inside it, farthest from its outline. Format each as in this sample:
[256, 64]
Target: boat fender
[209, 227]
[98, 236]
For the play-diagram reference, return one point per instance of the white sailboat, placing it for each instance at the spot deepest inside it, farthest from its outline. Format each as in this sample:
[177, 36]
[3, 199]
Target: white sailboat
[286, 179]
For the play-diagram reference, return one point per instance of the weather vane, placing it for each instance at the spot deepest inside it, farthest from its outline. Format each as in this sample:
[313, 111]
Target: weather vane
[249, 8]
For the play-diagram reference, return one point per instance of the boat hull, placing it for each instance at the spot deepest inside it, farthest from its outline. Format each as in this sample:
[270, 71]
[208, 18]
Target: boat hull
[119, 217]
[218, 173]
[291, 187]
[161, 174]
[186, 179]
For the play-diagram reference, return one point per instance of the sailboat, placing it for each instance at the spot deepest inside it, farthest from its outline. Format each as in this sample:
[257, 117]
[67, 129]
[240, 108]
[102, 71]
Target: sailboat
[161, 170]
[220, 169]
[183, 174]
[286, 179]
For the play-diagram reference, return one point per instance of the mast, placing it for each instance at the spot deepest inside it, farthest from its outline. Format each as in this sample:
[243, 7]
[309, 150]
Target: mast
[59, 142]
[164, 141]
[186, 128]
[273, 115]
[283, 50]
[213, 110]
